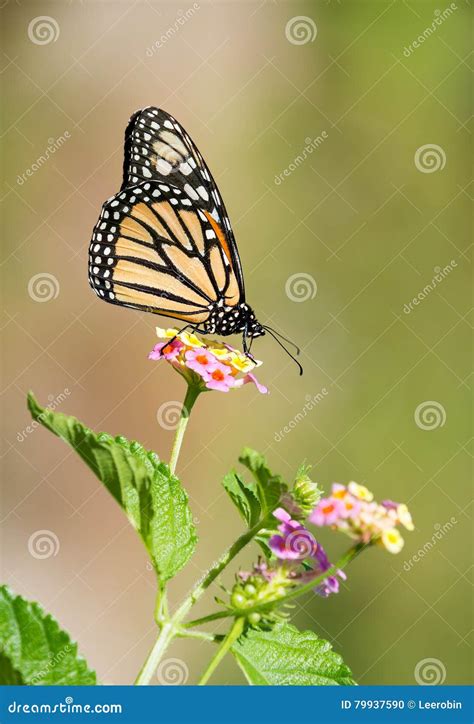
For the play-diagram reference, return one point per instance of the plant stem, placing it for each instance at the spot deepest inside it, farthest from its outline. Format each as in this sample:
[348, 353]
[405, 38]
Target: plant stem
[148, 669]
[214, 571]
[227, 643]
[171, 627]
[295, 593]
[183, 633]
[206, 619]
[191, 396]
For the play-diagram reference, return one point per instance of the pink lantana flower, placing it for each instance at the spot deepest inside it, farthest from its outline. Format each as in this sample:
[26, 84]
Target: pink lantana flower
[166, 350]
[201, 360]
[352, 510]
[295, 542]
[327, 512]
[218, 376]
[204, 363]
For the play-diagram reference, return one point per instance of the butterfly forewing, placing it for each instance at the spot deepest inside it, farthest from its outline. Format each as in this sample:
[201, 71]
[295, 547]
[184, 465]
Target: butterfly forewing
[158, 149]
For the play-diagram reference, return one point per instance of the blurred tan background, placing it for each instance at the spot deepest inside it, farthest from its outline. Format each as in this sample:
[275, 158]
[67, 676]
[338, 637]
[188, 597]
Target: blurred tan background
[364, 218]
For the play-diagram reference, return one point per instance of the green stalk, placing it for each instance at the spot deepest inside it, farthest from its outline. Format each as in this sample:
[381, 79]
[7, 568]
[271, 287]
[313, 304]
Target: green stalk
[227, 643]
[191, 396]
[172, 627]
[294, 593]
[148, 669]
[214, 571]
[206, 619]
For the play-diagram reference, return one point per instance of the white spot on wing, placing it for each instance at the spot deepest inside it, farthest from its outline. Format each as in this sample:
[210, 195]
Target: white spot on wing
[191, 192]
[163, 166]
[185, 168]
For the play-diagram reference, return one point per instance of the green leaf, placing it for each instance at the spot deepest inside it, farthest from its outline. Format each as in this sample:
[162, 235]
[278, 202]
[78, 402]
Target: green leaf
[152, 498]
[270, 487]
[34, 649]
[286, 656]
[244, 496]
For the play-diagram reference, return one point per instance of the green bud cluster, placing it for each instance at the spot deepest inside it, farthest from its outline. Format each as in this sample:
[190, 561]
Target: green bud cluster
[305, 493]
[262, 596]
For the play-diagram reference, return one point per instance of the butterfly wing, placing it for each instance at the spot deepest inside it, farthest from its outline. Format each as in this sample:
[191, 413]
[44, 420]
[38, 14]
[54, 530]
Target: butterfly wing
[158, 149]
[153, 249]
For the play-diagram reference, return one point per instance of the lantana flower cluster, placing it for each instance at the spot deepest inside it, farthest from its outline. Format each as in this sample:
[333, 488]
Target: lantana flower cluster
[294, 543]
[298, 558]
[207, 364]
[352, 510]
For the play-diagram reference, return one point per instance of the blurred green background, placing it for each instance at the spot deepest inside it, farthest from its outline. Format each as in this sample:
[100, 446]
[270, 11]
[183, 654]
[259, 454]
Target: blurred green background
[357, 215]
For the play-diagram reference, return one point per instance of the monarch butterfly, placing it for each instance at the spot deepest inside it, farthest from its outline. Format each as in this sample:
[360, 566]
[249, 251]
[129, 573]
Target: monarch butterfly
[164, 243]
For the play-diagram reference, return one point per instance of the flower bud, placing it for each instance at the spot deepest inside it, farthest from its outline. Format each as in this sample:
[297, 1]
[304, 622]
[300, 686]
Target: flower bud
[306, 493]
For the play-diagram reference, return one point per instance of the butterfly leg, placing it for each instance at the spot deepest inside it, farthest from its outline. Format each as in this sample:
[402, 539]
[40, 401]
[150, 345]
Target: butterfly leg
[246, 349]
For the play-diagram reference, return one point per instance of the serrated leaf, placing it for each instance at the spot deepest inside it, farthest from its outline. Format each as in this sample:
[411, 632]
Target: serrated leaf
[244, 495]
[270, 487]
[34, 650]
[152, 498]
[286, 656]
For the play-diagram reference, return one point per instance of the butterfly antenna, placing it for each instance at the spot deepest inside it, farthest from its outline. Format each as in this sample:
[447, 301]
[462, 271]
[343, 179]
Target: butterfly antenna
[278, 334]
[270, 331]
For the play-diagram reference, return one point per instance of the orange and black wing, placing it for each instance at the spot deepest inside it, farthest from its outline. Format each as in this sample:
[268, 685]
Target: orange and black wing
[158, 150]
[154, 249]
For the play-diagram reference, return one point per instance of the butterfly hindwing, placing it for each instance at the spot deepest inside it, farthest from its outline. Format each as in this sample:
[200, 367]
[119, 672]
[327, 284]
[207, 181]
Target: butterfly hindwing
[153, 249]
